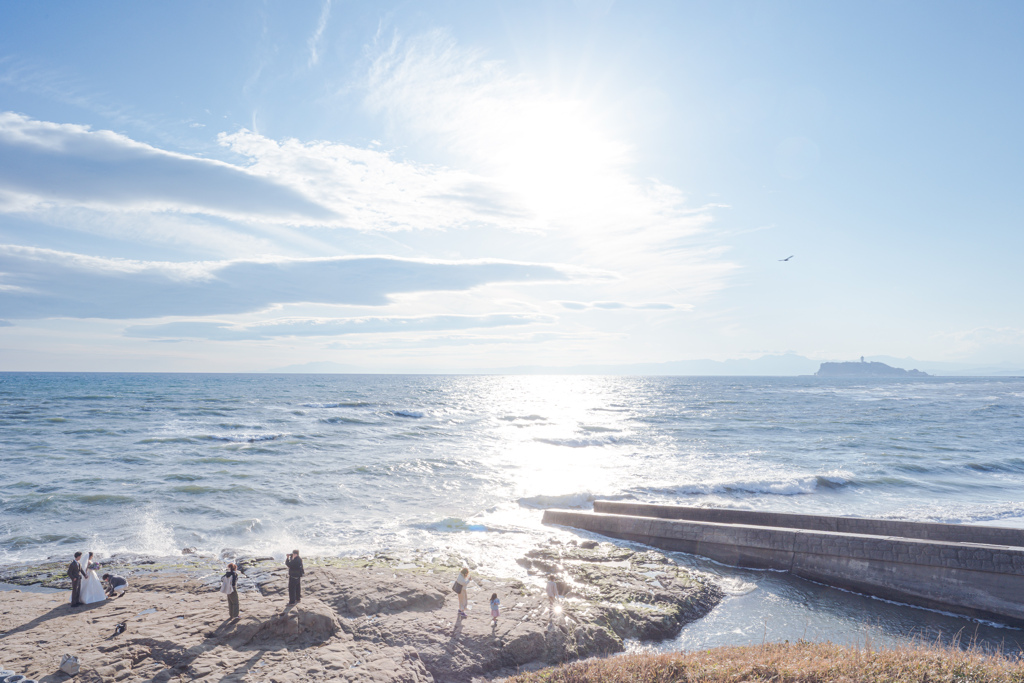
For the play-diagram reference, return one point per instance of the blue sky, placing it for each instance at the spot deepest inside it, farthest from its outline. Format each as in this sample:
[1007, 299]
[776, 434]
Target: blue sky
[447, 186]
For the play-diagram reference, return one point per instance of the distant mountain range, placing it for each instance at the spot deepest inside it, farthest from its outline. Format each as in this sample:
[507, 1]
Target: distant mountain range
[766, 366]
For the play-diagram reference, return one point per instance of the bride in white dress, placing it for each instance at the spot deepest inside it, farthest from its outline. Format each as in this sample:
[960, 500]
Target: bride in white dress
[92, 586]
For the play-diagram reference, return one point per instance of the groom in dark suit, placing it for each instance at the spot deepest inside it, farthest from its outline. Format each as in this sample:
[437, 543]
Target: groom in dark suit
[75, 574]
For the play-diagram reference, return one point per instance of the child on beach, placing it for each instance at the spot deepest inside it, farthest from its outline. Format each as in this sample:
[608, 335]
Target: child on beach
[552, 590]
[494, 608]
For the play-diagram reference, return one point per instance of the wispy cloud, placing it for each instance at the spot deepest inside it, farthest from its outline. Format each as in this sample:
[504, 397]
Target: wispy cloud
[315, 41]
[39, 283]
[373, 192]
[70, 164]
[614, 305]
[330, 327]
[562, 166]
[528, 339]
[50, 166]
[525, 173]
[67, 87]
[1009, 341]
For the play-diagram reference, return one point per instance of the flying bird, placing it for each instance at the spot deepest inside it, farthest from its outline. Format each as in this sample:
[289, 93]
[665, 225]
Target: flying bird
[787, 258]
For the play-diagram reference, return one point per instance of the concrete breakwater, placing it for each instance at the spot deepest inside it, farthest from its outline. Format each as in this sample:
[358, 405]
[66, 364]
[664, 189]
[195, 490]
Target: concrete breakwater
[968, 570]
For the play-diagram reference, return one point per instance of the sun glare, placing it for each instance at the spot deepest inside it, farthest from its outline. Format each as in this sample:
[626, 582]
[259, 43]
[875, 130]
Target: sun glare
[556, 155]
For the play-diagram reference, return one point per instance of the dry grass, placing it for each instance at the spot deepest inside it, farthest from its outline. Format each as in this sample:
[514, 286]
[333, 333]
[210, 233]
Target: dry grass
[800, 662]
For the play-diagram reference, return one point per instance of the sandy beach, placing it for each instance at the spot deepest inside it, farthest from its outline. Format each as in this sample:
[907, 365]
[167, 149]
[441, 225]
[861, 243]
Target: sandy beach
[371, 619]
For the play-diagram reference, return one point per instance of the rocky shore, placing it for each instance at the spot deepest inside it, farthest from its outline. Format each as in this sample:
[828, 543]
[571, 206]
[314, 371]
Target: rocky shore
[377, 618]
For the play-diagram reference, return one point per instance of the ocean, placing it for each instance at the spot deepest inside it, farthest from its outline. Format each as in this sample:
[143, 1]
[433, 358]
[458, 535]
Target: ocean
[413, 464]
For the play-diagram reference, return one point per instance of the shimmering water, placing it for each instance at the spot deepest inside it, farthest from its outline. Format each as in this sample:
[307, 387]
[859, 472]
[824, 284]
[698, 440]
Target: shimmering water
[336, 464]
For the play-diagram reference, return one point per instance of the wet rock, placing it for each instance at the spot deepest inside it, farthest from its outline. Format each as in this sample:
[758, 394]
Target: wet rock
[311, 621]
[49, 574]
[373, 593]
[640, 595]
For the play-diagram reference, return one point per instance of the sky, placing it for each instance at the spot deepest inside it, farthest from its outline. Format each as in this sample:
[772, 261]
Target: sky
[463, 186]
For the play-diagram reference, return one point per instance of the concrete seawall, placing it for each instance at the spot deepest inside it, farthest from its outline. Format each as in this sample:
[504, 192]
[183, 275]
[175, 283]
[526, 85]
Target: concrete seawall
[982, 580]
[956, 533]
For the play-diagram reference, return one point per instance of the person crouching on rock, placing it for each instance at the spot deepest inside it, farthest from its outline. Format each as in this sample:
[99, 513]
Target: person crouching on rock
[228, 586]
[115, 585]
[460, 587]
[295, 574]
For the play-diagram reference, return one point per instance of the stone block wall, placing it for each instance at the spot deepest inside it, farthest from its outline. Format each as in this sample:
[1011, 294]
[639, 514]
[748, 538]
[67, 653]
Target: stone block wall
[979, 580]
[958, 533]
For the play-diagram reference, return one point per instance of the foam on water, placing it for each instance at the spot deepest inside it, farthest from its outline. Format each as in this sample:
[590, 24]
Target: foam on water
[569, 500]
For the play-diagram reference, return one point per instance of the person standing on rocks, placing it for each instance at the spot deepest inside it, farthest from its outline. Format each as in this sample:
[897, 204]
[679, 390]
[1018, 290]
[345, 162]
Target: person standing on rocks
[76, 575]
[495, 606]
[228, 586]
[552, 591]
[295, 574]
[461, 587]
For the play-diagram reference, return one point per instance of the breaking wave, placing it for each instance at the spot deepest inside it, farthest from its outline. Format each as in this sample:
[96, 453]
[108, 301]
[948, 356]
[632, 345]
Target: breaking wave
[795, 486]
[580, 499]
[242, 438]
[406, 413]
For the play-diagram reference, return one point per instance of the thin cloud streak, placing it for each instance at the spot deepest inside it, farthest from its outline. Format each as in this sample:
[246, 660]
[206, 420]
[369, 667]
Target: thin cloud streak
[614, 305]
[43, 162]
[316, 39]
[41, 283]
[330, 327]
[531, 339]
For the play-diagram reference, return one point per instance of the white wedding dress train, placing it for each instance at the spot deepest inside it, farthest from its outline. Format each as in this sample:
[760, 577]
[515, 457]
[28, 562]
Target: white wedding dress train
[92, 589]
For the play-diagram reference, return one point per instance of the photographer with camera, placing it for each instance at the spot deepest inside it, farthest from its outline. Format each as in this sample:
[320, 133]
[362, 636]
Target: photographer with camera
[295, 574]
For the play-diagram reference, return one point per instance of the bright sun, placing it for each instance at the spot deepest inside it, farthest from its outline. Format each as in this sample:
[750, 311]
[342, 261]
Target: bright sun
[555, 155]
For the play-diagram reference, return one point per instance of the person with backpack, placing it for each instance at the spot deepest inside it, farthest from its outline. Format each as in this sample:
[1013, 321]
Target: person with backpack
[228, 586]
[460, 588]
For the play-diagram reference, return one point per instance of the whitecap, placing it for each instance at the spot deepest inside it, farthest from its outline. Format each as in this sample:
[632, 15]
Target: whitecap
[566, 500]
[794, 486]
[579, 499]
[450, 524]
[243, 438]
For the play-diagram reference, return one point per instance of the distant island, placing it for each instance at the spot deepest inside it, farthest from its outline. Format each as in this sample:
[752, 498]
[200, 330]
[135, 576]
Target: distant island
[865, 369]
